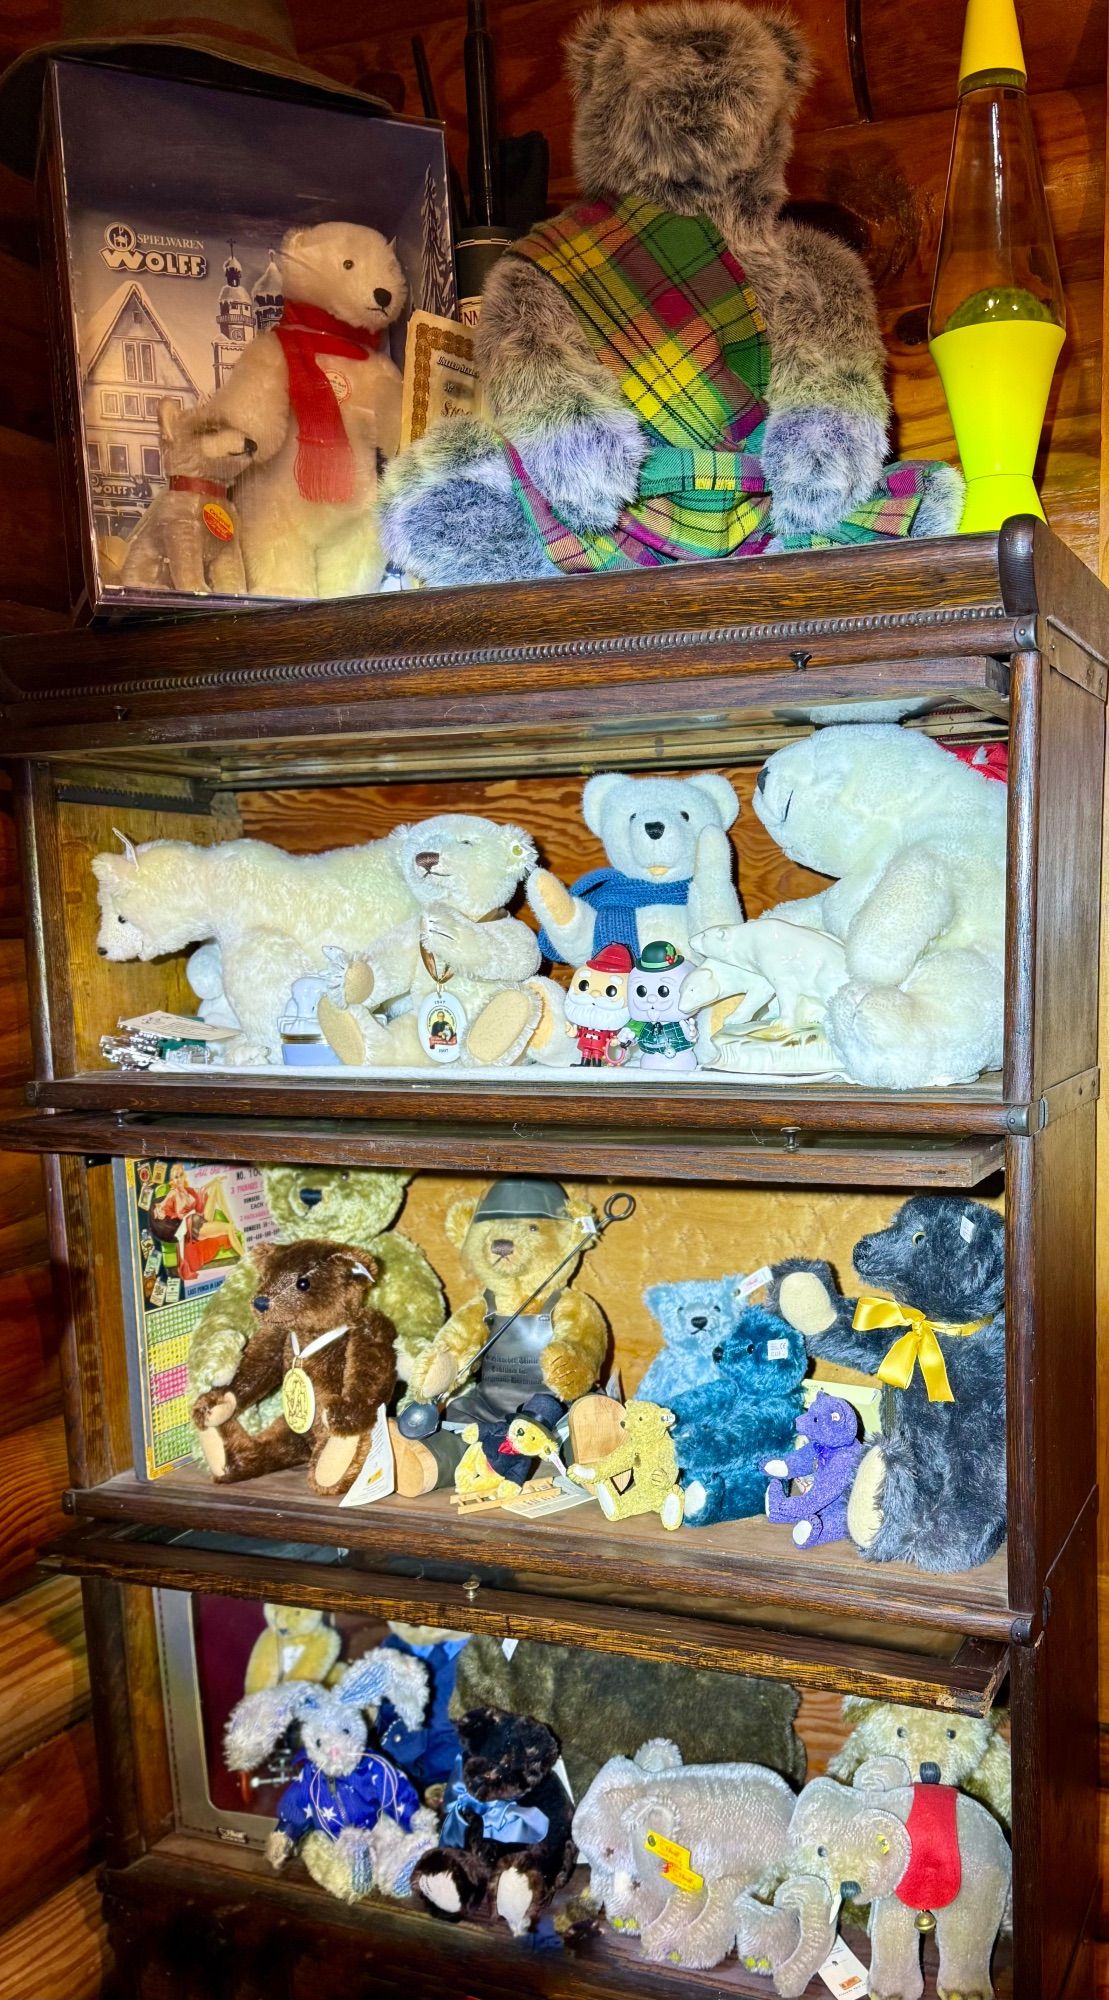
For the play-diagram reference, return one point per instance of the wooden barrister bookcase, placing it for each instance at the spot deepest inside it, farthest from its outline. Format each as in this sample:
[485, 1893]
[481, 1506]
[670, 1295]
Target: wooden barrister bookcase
[201, 729]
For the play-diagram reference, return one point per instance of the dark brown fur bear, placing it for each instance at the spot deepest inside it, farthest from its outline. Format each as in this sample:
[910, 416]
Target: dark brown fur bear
[510, 1758]
[306, 1291]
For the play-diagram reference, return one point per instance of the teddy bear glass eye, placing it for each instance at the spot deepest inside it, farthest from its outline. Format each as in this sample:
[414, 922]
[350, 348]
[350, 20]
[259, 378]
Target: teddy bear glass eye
[304, 1284]
[348, 263]
[918, 1236]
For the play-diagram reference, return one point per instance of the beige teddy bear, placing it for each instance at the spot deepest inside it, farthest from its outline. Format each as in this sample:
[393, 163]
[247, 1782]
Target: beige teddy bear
[296, 1645]
[640, 1476]
[189, 538]
[461, 971]
[939, 1747]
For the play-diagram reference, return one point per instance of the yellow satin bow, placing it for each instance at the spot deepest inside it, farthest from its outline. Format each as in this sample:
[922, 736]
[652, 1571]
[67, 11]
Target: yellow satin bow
[917, 1346]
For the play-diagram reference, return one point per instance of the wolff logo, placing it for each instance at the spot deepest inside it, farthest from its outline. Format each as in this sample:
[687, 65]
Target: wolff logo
[125, 249]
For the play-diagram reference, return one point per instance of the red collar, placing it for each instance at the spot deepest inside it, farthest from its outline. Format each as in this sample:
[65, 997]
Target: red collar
[305, 319]
[182, 482]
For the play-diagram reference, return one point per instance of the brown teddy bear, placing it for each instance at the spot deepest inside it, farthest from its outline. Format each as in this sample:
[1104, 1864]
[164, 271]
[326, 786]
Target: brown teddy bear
[320, 1341]
[512, 1241]
[505, 1839]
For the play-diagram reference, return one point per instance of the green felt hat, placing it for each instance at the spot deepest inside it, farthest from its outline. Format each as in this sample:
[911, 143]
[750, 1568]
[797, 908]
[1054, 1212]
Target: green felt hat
[658, 956]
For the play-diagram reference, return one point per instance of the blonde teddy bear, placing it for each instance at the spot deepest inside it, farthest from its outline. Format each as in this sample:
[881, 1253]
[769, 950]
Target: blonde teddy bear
[640, 1475]
[297, 1645]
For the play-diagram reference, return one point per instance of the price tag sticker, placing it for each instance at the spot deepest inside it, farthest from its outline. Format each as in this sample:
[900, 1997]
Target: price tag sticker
[676, 1864]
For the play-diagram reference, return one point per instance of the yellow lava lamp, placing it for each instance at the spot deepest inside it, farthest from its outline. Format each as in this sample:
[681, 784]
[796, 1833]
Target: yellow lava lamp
[997, 319]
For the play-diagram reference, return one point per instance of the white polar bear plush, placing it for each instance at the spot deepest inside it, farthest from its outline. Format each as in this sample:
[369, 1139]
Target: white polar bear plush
[461, 871]
[917, 841]
[320, 396]
[270, 913]
[670, 873]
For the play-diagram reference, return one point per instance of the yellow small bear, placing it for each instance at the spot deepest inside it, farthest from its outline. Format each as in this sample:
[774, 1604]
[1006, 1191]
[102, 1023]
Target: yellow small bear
[640, 1476]
[296, 1646]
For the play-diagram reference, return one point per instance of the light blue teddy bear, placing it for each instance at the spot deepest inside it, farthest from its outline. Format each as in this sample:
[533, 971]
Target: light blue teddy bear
[695, 1315]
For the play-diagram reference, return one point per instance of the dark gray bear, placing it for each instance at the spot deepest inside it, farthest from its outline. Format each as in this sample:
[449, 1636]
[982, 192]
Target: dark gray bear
[933, 1492]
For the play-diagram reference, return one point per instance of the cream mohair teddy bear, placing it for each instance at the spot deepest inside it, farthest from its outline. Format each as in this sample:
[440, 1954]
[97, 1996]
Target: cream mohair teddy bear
[939, 1747]
[917, 841]
[189, 537]
[461, 871]
[296, 1645]
[270, 913]
[320, 395]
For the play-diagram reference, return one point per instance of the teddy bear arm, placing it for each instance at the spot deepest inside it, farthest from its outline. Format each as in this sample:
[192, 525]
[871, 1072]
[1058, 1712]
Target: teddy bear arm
[910, 906]
[369, 1376]
[456, 1342]
[574, 1359]
[393, 961]
[254, 399]
[408, 1291]
[222, 1331]
[260, 1369]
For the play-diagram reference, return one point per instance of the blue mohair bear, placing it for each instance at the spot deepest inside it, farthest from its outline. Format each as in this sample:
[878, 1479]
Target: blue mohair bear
[932, 1492]
[728, 1425]
[695, 1314]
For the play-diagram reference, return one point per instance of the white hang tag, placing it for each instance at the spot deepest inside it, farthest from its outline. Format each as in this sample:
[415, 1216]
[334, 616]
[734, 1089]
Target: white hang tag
[967, 1229]
[754, 1282]
[378, 1477]
[441, 1027]
[508, 1647]
[777, 1350]
[843, 1974]
[563, 1777]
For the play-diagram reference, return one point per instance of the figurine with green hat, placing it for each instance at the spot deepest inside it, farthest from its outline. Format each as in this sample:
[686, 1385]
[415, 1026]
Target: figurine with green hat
[663, 1031]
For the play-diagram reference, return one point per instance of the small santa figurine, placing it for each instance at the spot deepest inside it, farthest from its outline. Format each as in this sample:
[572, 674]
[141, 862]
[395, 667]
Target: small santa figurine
[597, 1003]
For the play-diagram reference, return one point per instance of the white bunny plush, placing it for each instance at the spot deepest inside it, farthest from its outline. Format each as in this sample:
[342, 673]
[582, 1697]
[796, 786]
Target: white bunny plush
[354, 1818]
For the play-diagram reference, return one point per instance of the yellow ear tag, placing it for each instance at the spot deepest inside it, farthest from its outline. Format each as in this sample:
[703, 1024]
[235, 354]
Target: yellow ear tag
[218, 521]
[298, 1401]
[675, 1863]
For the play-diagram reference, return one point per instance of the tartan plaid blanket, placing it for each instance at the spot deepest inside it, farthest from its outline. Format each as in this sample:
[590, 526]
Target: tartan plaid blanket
[667, 308]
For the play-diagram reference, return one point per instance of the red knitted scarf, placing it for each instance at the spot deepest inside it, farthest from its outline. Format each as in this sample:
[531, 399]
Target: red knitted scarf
[324, 463]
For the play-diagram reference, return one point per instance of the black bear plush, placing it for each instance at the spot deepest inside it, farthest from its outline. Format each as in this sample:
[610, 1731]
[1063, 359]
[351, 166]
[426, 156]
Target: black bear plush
[932, 1492]
[505, 1840]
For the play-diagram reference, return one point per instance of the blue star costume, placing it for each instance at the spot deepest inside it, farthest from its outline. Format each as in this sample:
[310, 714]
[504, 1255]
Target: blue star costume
[316, 1801]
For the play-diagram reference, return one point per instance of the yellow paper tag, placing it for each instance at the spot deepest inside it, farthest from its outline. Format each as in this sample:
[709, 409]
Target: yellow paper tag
[675, 1863]
[218, 521]
[298, 1401]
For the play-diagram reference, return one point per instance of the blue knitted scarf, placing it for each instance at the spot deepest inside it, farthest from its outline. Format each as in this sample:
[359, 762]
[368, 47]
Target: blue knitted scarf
[615, 898]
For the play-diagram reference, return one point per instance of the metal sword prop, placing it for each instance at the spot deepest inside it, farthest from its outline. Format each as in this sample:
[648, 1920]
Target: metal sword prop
[421, 1420]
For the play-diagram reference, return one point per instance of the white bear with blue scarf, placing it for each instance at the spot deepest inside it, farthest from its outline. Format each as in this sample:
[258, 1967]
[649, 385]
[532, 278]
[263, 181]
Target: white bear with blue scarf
[669, 874]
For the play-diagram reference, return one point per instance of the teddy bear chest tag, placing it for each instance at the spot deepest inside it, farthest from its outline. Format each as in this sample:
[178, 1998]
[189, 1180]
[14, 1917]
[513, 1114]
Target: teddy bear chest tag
[298, 1394]
[441, 1023]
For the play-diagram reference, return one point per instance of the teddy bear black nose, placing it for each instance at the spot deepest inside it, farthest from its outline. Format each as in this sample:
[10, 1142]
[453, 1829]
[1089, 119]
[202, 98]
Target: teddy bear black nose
[929, 1774]
[654, 829]
[700, 1321]
[760, 781]
[502, 1246]
[383, 297]
[718, 1354]
[261, 1304]
[103, 950]
[426, 860]
[311, 1196]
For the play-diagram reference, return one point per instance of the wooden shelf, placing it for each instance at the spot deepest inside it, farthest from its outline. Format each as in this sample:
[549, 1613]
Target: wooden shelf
[416, 1956]
[732, 1570]
[436, 1145]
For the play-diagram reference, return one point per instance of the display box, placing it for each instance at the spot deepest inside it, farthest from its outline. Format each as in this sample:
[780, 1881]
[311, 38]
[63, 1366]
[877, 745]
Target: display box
[168, 204]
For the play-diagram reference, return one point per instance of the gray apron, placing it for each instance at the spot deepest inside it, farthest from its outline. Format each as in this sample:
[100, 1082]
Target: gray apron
[510, 1372]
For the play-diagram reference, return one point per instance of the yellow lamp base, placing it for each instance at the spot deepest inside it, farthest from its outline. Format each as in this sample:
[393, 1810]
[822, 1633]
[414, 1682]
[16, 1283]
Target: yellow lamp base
[996, 377]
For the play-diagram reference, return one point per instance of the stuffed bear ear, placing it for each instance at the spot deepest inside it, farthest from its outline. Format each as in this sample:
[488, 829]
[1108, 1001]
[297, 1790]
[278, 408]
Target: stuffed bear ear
[519, 849]
[582, 1214]
[799, 67]
[291, 241]
[593, 798]
[457, 1221]
[721, 792]
[584, 44]
[360, 1264]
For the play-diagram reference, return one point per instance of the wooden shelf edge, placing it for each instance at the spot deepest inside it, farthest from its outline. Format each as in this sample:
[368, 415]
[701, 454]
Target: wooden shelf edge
[748, 1564]
[413, 1951]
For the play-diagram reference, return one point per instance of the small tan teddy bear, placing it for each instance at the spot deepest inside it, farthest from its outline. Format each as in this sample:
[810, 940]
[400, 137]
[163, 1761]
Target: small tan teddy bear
[640, 1476]
[939, 1747]
[188, 539]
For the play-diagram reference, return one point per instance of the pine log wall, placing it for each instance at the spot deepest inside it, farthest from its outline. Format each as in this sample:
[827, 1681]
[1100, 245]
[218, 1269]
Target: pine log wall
[870, 163]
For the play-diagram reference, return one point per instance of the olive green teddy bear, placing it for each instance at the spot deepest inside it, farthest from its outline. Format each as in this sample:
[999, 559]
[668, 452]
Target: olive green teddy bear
[353, 1206]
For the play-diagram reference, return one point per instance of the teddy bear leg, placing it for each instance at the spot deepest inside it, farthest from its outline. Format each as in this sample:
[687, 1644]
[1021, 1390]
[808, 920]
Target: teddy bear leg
[452, 1880]
[448, 511]
[232, 1454]
[517, 1895]
[941, 1025]
[185, 556]
[337, 1462]
[356, 1037]
[504, 1027]
[864, 1508]
[351, 563]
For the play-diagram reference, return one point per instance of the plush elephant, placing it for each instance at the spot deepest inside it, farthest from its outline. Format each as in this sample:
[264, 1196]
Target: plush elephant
[671, 1846]
[902, 1848]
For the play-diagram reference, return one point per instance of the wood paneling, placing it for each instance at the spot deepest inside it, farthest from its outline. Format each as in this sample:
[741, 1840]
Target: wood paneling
[48, 1811]
[30, 1385]
[33, 1473]
[44, 1670]
[60, 1951]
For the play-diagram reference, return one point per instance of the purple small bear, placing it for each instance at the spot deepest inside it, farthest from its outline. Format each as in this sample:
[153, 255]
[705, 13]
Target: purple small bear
[829, 1456]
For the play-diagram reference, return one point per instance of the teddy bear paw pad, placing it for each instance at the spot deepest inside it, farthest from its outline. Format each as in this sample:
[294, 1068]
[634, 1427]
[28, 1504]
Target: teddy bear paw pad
[803, 1300]
[497, 1034]
[802, 1533]
[672, 1511]
[441, 1890]
[514, 1899]
[334, 1461]
[341, 1032]
[215, 1452]
[695, 1497]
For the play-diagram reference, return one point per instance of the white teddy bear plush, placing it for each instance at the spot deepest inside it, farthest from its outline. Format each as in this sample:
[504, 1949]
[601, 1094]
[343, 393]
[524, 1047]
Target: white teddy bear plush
[916, 839]
[670, 874]
[320, 396]
[461, 871]
[270, 913]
